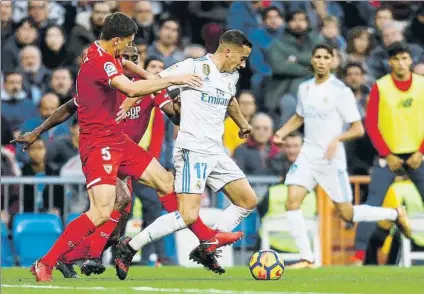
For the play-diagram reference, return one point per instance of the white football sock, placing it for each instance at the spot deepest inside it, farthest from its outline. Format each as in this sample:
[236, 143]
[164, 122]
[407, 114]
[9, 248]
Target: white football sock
[161, 227]
[299, 233]
[231, 218]
[367, 213]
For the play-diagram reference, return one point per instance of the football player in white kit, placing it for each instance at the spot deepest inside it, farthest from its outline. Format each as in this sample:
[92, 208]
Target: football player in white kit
[325, 106]
[199, 155]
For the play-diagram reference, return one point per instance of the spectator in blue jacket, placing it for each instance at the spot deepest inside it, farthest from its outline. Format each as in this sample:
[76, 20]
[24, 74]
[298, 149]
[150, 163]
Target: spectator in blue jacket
[273, 27]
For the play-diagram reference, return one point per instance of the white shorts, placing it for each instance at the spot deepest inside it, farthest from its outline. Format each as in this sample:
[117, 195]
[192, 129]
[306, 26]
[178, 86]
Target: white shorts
[334, 180]
[193, 171]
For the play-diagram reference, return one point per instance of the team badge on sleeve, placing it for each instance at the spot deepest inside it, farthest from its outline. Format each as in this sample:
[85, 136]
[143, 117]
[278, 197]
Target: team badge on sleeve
[206, 69]
[110, 69]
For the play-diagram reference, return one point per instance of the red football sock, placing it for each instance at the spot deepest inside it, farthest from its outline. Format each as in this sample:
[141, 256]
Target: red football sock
[102, 235]
[74, 233]
[202, 231]
[80, 252]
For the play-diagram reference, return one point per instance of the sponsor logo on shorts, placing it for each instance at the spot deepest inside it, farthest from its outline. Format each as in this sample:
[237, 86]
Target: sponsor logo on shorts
[108, 168]
[199, 184]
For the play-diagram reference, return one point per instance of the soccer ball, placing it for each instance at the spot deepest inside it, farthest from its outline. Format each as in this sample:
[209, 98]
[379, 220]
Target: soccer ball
[266, 265]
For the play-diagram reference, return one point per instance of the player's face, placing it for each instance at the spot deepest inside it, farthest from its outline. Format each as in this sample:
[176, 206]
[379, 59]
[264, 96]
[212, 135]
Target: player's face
[401, 64]
[236, 58]
[322, 62]
[121, 44]
[155, 67]
[131, 54]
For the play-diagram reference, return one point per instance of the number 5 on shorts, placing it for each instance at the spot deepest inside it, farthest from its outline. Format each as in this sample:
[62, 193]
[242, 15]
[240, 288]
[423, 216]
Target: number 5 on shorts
[106, 153]
[198, 166]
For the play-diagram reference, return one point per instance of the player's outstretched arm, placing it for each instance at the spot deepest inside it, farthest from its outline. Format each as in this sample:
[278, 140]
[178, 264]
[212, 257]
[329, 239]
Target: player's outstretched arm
[295, 122]
[59, 115]
[136, 69]
[235, 113]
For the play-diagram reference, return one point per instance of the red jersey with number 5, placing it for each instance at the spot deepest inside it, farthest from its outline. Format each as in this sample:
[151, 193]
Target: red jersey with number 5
[98, 103]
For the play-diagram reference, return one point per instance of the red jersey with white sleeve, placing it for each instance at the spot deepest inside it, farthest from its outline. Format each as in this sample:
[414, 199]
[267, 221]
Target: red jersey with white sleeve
[139, 115]
[97, 101]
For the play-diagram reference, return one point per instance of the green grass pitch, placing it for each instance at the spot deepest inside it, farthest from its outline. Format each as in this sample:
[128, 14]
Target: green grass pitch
[236, 280]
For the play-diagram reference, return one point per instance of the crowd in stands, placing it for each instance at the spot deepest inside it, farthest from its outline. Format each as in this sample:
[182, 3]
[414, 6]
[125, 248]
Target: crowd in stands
[43, 43]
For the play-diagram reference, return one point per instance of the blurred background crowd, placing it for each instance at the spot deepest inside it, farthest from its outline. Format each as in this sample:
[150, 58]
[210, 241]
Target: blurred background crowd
[43, 43]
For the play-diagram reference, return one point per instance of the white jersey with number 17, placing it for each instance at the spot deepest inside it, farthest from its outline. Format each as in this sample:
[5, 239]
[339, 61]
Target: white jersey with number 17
[326, 108]
[203, 110]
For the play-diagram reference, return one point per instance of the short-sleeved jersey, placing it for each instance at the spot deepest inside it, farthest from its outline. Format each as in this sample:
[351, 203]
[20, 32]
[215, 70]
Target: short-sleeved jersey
[98, 103]
[139, 115]
[326, 108]
[203, 111]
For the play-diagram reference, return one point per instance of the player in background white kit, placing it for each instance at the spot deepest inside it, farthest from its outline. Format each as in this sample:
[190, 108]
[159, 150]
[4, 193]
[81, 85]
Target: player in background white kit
[199, 155]
[325, 106]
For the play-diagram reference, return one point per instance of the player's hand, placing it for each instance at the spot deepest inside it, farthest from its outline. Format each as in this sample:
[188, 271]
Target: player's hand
[27, 139]
[123, 109]
[395, 162]
[278, 139]
[245, 131]
[331, 149]
[177, 104]
[191, 80]
[415, 160]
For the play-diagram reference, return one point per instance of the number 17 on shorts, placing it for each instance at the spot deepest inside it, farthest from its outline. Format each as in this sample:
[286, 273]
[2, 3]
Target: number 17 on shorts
[191, 172]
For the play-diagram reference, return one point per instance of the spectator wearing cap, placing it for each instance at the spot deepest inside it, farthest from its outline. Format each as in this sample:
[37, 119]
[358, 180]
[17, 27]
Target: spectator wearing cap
[61, 150]
[414, 32]
[273, 28]
[378, 62]
[6, 10]
[166, 45]
[144, 18]
[16, 105]
[25, 34]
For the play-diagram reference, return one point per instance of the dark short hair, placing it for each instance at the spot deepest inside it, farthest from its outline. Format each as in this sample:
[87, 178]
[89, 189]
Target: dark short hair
[235, 37]
[295, 134]
[268, 10]
[329, 48]
[293, 13]
[171, 18]
[150, 59]
[398, 47]
[29, 20]
[118, 25]
[354, 64]
[12, 72]
[383, 8]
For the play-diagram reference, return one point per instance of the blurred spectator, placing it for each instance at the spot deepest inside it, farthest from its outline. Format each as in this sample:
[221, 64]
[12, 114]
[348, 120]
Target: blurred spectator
[317, 10]
[38, 11]
[36, 75]
[378, 62]
[53, 48]
[166, 46]
[339, 61]
[61, 84]
[210, 34]
[231, 138]
[289, 57]
[292, 145]
[331, 33]
[113, 6]
[273, 28]
[16, 106]
[414, 32]
[48, 104]
[144, 19]
[383, 16]
[142, 52]
[354, 77]
[194, 51]
[6, 131]
[88, 27]
[25, 34]
[419, 69]
[55, 11]
[6, 20]
[61, 150]
[356, 13]
[256, 155]
[359, 44]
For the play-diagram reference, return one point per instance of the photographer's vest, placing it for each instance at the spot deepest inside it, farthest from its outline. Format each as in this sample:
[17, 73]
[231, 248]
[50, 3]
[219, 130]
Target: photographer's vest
[404, 192]
[278, 194]
[401, 114]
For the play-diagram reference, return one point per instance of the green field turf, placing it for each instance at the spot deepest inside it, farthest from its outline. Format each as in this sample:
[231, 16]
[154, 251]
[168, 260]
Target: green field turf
[237, 280]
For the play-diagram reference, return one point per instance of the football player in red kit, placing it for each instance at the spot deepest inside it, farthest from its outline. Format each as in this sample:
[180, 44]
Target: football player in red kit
[105, 151]
[90, 249]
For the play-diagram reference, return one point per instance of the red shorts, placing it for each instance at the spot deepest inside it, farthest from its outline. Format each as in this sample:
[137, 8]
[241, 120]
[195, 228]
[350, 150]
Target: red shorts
[101, 163]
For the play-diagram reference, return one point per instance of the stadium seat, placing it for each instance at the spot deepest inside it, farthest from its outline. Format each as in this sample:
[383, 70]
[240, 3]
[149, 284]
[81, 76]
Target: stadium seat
[34, 234]
[7, 258]
[417, 225]
[71, 217]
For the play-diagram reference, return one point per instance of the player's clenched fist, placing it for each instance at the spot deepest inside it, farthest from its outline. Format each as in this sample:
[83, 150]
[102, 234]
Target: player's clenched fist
[278, 139]
[27, 139]
[191, 80]
[245, 131]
